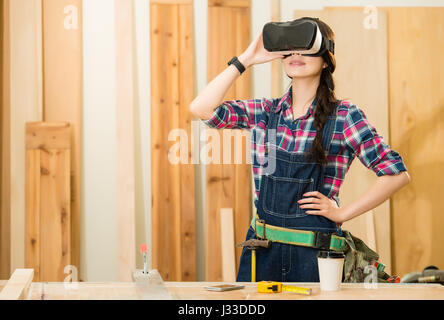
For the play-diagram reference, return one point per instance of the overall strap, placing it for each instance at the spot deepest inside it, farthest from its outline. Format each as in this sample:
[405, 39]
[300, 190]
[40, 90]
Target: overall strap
[273, 121]
[328, 130]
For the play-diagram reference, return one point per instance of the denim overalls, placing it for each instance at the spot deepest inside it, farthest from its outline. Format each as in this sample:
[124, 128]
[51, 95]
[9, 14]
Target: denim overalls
[277, 204]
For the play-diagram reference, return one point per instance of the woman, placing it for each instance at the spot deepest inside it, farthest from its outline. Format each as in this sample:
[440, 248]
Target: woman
[317, 137]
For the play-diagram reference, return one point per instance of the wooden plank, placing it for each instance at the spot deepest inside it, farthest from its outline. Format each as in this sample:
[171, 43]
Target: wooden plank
[55, 219]
[214, 173]
[165, 229]
[173, 207]
[48, 135]
[228, 35]
[196, 291]
[125, 139]
[18, 285]
[48, 210]
[32, 223]
[227, 245]
[417, 132]
[157, 99]
[173, 103]
[276, 65]
[26, 105]
[369, 55]
[5, 114]
[187, 184]
[62, 61]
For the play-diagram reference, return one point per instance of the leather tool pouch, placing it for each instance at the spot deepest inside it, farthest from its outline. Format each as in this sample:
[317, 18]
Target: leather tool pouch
[358, 259]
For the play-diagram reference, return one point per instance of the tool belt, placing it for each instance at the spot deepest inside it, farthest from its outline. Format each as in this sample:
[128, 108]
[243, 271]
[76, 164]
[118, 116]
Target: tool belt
[313, 239]
[357, 254]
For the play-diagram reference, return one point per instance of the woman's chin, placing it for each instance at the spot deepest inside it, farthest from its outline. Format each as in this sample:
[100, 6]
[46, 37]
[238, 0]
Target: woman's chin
[300, 75]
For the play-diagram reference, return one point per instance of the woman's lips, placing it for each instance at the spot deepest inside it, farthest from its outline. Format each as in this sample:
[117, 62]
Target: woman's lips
[296, 63]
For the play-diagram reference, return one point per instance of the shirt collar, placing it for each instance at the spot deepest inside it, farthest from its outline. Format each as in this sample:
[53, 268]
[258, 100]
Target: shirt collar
[286, 102]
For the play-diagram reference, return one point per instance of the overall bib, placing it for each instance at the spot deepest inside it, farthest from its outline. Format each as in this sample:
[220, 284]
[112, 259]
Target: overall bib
[277, 205]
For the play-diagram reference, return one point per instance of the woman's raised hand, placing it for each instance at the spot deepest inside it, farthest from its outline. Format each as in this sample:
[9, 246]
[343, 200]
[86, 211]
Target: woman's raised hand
[257, 54]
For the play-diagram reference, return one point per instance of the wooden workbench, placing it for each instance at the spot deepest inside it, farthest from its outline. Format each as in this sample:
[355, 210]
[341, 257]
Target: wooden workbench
[195, 291]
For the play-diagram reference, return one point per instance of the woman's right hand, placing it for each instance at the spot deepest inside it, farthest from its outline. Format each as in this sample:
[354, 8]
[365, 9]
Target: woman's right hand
[257, 54]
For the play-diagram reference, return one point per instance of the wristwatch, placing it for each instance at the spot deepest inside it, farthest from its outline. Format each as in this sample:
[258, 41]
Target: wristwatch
[237, 64]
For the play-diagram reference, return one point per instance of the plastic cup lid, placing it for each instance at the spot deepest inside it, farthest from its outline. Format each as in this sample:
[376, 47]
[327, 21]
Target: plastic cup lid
[331, 255]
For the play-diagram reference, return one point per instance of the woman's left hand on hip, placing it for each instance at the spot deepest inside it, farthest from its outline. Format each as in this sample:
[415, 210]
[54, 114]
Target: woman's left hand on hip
[323, 206]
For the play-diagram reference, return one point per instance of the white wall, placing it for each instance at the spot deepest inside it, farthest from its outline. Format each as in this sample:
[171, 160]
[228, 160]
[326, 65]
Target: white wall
[99, 215]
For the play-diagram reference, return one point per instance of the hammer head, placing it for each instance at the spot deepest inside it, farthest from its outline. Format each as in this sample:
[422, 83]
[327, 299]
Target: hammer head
[254, 244]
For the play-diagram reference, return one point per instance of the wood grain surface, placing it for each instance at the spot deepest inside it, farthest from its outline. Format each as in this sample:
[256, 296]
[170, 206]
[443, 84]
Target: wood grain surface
[416, 41]
[62, 91]
[227, 183]
[196, 291]
[172, 87]
[48, 210]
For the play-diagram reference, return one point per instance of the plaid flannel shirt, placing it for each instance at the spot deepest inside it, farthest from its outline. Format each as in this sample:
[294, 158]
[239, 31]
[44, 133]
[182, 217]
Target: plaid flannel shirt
[353, 136]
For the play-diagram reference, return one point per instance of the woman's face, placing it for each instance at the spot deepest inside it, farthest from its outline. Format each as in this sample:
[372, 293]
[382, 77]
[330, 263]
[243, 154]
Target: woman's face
[297, 66]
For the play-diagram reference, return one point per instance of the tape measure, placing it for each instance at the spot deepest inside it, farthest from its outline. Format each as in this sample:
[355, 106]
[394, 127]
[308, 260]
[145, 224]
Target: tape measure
[277, 287]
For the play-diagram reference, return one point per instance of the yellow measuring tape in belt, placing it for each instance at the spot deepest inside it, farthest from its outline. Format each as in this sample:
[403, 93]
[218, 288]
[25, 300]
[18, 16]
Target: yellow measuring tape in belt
[314, 239]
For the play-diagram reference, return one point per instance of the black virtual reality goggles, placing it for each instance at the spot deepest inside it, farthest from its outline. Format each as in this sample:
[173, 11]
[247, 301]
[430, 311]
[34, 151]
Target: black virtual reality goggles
[302, 36]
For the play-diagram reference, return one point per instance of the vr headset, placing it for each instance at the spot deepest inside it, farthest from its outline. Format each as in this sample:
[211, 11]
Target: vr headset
[301, 36]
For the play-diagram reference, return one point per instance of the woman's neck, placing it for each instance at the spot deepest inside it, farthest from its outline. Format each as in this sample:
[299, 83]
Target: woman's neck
[303, 93]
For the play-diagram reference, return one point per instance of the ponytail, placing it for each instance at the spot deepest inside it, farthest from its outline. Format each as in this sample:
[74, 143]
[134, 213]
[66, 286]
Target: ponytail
[325, 106]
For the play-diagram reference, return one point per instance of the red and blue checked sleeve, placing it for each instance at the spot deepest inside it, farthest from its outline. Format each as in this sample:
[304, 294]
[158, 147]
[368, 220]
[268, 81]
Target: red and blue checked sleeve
[238, 114]
[362, 140]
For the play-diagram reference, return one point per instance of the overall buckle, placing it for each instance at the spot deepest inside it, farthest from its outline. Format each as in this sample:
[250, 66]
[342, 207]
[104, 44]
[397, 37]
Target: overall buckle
[321, 240]
[263, 228]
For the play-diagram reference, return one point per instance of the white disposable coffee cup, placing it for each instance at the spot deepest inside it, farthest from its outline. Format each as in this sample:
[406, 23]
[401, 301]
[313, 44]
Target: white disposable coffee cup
[330, 265]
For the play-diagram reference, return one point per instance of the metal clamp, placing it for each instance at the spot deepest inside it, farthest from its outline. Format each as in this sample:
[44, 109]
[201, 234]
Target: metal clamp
[321, 240]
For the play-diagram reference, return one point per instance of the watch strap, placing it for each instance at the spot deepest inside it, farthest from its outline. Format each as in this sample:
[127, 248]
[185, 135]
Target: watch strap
[235, 61]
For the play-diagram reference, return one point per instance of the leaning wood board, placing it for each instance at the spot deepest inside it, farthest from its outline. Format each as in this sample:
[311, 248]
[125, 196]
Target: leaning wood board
[18, 285]
[227, 185]
[417, 133]
[5, 78]
[358, 48]
[48, 210]
[196, 291]
[62, 99]
[25, 105]
[172, 88]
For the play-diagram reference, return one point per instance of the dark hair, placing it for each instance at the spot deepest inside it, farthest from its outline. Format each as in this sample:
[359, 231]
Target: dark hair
[325, 97]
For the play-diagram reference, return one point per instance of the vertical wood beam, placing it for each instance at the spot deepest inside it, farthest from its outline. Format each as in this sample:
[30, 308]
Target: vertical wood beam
[5, 207]
[417, 131]
[228, 35]
[172, 90]
[62, 71]
[125, 138]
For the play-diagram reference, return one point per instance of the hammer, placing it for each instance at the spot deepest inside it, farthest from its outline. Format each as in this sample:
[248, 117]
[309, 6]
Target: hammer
[254, 244]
